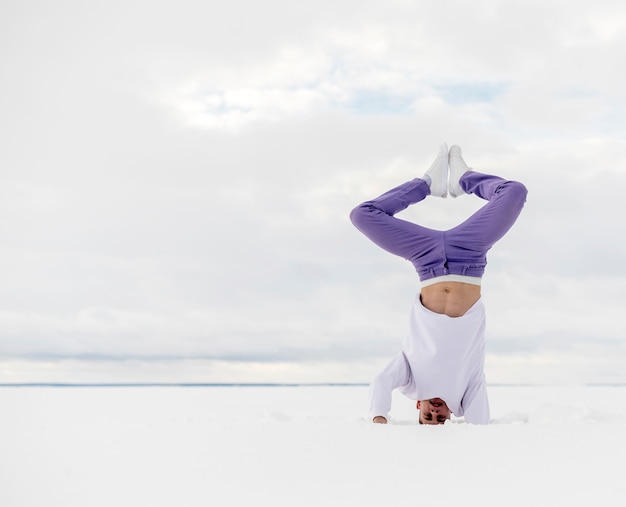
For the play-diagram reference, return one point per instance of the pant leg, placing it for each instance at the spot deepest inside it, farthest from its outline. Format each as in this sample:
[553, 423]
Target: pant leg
[469, 242]
[376, 220]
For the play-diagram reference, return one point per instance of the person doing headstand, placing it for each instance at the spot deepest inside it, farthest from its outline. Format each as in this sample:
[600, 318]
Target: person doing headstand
[441, 364]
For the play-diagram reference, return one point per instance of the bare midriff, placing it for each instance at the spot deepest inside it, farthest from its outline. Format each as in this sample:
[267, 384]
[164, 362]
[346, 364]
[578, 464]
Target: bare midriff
[453, 299]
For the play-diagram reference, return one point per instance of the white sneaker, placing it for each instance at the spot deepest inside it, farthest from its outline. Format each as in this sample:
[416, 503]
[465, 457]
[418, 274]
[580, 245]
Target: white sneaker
[437, 175]
[458, 168]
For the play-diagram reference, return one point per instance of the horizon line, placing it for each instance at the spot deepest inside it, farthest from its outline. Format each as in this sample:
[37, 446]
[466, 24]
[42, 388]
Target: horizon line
[269, 384]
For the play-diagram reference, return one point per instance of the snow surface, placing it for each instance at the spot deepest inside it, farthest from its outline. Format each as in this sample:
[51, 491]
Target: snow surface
[304, 446]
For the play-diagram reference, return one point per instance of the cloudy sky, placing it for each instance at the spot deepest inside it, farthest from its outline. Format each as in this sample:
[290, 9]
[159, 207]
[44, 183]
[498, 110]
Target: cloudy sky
[176, 178]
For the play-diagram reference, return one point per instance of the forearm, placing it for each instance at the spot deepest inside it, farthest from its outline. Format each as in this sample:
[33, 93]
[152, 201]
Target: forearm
[380, 397]
[394, 375]
[477, 409]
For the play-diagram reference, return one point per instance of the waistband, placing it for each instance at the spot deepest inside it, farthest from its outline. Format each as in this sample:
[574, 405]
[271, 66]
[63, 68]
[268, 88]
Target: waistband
[474, 280]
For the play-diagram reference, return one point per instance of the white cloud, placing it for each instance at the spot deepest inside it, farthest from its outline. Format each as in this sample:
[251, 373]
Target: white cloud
[176, 180]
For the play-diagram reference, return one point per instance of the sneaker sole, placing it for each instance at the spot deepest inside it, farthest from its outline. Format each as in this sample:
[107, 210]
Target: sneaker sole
[443, 153]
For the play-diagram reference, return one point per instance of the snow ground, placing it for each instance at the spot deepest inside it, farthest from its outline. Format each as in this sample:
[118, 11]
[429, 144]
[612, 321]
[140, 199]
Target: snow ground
[304, 446]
